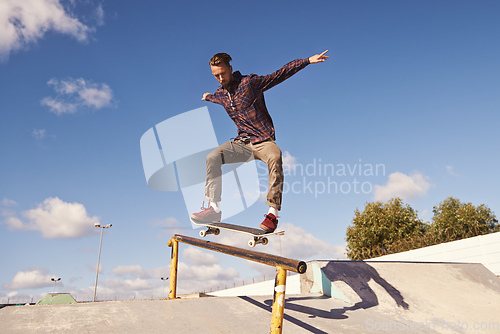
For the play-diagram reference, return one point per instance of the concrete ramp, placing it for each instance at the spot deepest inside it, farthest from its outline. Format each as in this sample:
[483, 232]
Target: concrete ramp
[366, 297]
[439, 296]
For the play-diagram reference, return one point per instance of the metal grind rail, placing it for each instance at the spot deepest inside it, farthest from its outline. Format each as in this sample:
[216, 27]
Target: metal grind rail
[282, 264]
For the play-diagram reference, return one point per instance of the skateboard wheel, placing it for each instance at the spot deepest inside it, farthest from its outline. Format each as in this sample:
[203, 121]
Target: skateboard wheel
[217, 231]
[264, 241]
[203, 233]
[251, 243]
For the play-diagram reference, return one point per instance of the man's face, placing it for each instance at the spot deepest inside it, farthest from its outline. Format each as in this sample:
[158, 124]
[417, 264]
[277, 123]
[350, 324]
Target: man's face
[223, 74]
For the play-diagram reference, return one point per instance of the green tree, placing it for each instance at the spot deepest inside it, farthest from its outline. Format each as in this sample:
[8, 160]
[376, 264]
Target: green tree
[454, 220]
[375, 231]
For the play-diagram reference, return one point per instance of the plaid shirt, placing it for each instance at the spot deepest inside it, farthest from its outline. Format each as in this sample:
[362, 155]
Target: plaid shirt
[244, 102]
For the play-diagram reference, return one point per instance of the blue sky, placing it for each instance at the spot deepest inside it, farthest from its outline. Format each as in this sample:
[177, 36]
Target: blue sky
[410, 87]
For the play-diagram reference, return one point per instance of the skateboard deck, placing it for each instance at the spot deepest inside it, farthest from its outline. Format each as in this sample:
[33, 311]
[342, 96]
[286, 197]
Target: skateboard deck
[259, 236]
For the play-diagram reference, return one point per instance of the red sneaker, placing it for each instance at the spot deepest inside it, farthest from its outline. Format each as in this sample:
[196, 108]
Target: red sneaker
[270, 223]
[207, 215]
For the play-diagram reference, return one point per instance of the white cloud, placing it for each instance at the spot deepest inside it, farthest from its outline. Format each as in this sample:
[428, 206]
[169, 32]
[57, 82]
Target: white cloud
[156, 273]
[99, 14]
[169, 226]
[12, 221]
[55, 219]
[197, 272]
[136, 271]
[197, 257]
[39, 133]
[137, 284]
[74, 94]
[33, 278]
[135, 280]
[8, 202]
[404, 186]
[12, 294]
[127, 289]
[206, 273]
[25, 22]
[15, 297]
[169, 223]
[289, 162]
[451, 170]
[301, 245]
[59, 107]
[133, 270]
[6, 205]
[95, 95]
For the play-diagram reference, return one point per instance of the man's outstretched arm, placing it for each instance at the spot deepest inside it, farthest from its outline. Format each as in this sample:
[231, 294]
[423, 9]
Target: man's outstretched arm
[271, 80]
[214, 98]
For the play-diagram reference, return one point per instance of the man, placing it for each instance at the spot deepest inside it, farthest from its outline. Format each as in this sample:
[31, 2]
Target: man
[243, 99]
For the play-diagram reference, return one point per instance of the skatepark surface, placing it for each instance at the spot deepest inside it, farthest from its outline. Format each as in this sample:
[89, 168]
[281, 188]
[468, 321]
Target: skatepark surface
[335, 297]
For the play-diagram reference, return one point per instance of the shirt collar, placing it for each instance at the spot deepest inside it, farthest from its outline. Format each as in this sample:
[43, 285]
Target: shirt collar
[236, 80]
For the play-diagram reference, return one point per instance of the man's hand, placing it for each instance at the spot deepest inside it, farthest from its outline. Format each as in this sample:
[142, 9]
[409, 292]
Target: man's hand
[318, 58]
[204, 98]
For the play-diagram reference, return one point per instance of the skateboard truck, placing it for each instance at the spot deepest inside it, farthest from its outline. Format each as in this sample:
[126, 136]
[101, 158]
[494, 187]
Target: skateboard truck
[210, 230]
[262, 239]
[258, 240]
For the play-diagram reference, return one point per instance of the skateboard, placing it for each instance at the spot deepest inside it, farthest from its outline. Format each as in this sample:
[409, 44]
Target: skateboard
[259, 236]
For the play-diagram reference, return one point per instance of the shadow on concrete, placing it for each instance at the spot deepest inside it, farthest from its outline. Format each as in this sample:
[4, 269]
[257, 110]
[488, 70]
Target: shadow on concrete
[337, 314]
[357, 275]
[287, 317]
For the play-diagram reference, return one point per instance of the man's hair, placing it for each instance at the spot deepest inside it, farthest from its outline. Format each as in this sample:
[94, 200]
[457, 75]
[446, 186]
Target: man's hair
[220, 58]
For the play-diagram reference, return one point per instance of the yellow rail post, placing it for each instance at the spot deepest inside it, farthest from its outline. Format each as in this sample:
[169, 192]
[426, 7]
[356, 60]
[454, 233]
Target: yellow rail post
[278, 301]
[282, 265]
[174, 259]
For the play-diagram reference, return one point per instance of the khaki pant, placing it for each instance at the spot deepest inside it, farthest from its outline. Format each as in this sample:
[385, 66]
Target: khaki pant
[238, 151]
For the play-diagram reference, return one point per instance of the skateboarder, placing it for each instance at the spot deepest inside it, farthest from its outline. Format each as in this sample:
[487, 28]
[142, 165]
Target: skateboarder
[243, 98]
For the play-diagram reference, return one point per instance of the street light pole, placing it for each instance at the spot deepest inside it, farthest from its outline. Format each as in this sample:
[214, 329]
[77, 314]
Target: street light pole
[99, 257]
[55, 280]
[164, 279]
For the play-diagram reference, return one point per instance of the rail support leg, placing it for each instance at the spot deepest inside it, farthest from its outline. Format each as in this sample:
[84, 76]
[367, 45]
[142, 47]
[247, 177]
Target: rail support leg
[173, 269]
[278, 301]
